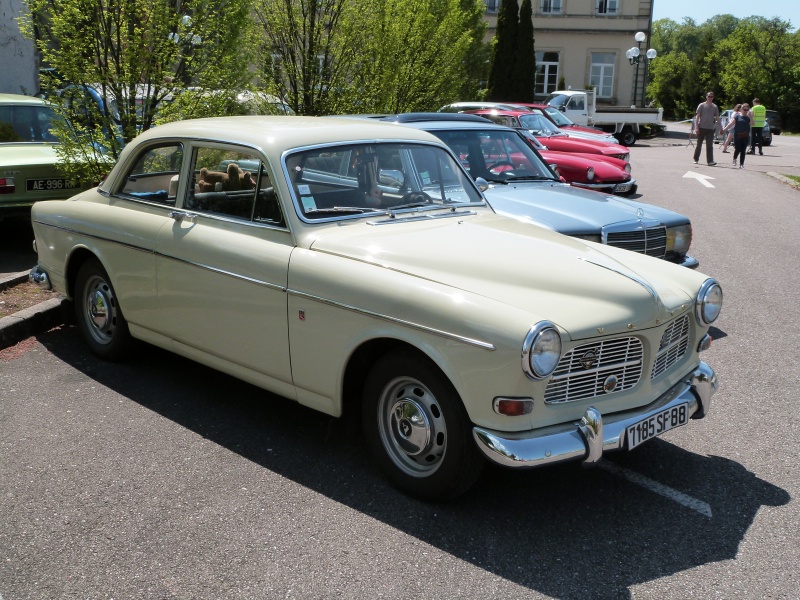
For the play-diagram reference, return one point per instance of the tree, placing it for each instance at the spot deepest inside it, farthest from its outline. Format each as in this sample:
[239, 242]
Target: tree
[524, 75]
[333, 57]
[116, 62]
[504, 54]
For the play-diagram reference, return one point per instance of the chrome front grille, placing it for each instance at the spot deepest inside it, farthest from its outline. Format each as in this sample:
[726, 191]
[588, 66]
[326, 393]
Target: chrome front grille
[596, 369]
[673, 346]
[652, 241]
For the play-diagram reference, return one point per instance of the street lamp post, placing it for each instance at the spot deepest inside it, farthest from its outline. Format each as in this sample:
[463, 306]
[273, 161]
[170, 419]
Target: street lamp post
[634, 56]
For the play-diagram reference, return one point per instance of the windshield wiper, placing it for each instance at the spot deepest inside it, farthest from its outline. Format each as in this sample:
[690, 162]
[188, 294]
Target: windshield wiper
[343, 210]
[530, 178]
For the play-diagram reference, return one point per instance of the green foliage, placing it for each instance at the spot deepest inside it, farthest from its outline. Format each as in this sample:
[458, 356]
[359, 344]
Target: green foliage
[366, 56]
[135, 54]
[505, 40]
[523, 77]
[738, 59]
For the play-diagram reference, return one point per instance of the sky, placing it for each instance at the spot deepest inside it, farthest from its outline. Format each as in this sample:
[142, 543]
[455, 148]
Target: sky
[702, 10]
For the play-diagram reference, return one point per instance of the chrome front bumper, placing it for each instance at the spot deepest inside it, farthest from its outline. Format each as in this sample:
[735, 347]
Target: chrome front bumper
[594, 434]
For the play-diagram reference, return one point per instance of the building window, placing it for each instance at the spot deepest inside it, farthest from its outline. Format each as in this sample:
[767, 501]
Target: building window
[551, 7]
[601, 76]
[607, 7]
[492, 6]
[546, 73]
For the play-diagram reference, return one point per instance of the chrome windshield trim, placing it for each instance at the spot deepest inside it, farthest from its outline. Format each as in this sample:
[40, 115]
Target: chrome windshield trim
[452, 213]
[384, 317]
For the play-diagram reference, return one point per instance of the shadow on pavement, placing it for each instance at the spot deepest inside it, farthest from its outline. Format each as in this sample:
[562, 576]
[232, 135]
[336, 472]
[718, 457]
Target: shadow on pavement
[562, 531]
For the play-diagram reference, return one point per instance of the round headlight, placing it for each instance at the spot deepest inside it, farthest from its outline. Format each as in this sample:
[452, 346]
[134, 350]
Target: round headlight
[709, 302]
[541, 350]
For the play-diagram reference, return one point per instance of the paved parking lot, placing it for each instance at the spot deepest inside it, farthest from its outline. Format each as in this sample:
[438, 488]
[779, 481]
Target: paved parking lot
[158, 478]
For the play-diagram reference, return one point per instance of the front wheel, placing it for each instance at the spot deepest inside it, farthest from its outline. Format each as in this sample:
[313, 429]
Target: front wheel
[98, 313]
[417, 428]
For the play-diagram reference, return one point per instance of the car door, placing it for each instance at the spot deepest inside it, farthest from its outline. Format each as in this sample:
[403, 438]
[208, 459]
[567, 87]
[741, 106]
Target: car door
[222, 267]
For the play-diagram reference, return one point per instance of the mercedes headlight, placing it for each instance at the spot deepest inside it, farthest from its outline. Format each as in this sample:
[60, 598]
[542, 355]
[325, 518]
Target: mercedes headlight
[709, 302]
[679, 238]
[541, 350]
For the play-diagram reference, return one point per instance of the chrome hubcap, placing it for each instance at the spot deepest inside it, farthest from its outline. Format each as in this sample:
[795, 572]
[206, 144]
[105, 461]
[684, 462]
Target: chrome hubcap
[412, 427]
[100, 310]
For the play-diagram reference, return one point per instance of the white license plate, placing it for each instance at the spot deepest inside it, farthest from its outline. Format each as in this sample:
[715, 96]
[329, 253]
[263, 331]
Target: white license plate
[45, 185]
[657, 424]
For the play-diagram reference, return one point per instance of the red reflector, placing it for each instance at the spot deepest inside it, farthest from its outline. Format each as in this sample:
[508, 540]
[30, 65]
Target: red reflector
[513, 407]
[6, 185]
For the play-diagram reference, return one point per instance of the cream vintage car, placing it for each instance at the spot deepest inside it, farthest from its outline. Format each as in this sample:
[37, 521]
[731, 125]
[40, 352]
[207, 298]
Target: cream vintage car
[354, 267]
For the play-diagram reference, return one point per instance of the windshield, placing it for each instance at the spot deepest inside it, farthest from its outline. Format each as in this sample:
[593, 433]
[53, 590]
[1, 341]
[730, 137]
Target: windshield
[26, 123]
[495, 155]
[557, 100]
[558, 117]
[354, 179]
[538, 124]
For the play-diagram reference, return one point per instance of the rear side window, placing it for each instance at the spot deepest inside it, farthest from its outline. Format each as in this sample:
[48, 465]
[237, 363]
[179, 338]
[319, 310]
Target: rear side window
[232, 183]
[155, 175]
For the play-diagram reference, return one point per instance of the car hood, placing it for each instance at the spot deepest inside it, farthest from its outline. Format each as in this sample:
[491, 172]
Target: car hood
[573, 144]
[574, 211]
[576, 160]
[578, 285]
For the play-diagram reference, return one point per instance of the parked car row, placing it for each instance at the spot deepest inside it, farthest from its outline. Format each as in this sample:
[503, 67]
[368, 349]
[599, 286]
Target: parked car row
[390, 269]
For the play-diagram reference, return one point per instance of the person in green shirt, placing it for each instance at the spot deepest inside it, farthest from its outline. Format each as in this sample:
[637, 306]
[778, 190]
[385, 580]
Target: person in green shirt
[759, 119]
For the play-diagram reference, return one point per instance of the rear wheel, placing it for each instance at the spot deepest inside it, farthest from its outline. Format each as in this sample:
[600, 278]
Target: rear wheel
[98, 313]
[627, 137]
[417, 428]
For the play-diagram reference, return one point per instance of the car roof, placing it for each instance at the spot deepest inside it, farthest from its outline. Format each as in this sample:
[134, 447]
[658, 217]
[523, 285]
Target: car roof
[497, 111]
[20, 99]
[429, 121]
[282, 132]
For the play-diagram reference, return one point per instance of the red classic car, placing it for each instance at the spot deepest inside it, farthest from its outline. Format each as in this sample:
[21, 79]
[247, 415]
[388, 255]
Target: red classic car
[550, 135]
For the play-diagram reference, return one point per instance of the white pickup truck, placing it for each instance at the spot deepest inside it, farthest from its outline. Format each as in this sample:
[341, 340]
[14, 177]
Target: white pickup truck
[627, 124]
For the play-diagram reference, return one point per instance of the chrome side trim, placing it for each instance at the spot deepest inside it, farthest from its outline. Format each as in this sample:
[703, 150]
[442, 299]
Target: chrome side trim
[594, 434]
[298, 293]
[417, 326]
[630, 276]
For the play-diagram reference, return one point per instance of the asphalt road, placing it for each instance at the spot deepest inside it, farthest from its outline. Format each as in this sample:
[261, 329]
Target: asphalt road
[159, 478]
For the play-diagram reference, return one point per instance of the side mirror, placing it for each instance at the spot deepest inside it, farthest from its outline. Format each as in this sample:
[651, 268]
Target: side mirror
[391, 178]
[482, 184]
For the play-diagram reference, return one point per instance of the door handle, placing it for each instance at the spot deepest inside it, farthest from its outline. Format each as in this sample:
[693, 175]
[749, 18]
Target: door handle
[179, 216]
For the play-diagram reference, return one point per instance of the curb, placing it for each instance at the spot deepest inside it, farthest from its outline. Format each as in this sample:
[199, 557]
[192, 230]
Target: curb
[786, 180]
[30, 321]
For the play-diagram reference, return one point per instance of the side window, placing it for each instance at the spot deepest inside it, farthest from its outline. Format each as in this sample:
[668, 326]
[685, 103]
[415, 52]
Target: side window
[232, 183]
[155, 174]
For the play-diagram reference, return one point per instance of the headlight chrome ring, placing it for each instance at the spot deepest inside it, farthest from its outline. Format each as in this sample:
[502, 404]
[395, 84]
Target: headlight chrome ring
[541, 350]
[709, 302]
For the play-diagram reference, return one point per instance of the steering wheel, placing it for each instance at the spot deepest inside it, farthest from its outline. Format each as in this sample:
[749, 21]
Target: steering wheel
[500, 163]
[415, 198]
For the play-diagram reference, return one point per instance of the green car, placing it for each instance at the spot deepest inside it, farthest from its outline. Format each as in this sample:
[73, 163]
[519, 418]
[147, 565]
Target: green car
[28, 155]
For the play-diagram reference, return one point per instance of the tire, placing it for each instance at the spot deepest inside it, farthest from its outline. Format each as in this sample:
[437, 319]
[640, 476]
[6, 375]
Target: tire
[627, 138]
[417, 428]
[98, 313]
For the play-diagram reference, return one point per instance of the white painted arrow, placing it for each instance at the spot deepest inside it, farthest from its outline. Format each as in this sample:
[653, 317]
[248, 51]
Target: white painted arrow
[701, 178]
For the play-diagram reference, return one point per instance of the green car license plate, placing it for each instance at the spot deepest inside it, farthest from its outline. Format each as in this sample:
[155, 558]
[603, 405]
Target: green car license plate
[46, 185]
[657, 424]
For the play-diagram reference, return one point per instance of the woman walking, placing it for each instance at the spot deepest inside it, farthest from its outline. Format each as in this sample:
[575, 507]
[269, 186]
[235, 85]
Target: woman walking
[741, 134]
[729, 138]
